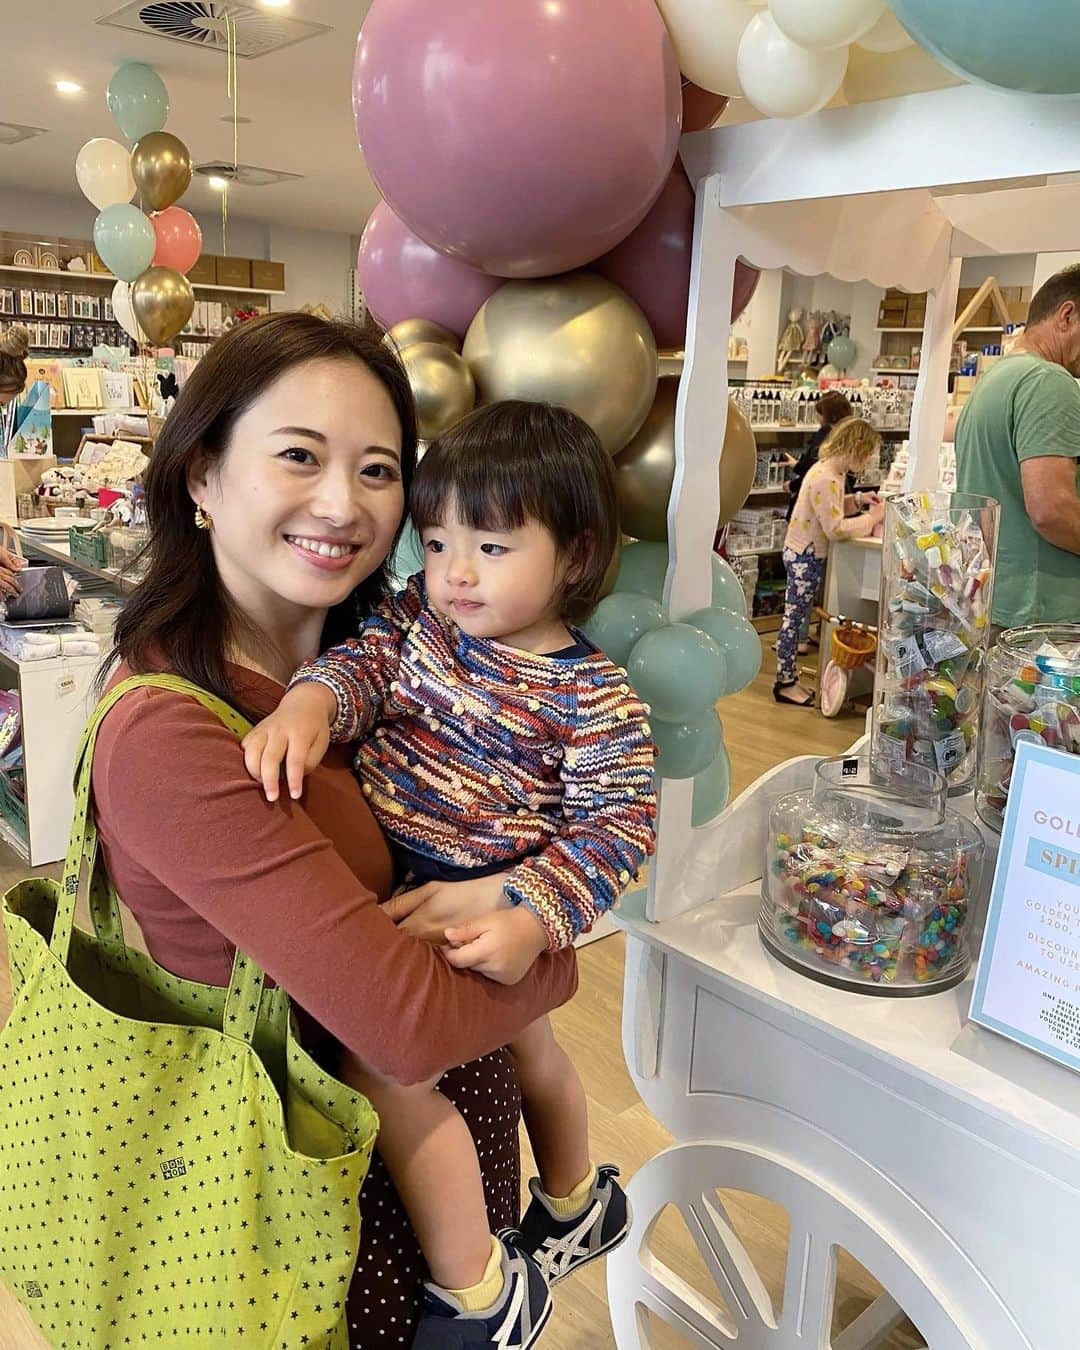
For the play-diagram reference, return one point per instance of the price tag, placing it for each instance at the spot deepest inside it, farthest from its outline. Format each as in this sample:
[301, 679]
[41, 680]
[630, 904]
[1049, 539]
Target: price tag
[65, 684]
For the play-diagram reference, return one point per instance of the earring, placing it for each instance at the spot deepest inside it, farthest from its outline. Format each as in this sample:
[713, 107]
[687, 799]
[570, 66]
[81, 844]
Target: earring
[203, 519]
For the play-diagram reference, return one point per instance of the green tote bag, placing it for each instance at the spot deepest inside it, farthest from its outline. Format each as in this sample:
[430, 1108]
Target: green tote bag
[175, 1169]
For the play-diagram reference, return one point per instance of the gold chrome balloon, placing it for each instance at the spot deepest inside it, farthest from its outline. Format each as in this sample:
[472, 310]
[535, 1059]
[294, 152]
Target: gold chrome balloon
[575, 340]
[161, 167]
[442, 386]
[162, 299]
[645, 470]
[612, 573]
[409, 332]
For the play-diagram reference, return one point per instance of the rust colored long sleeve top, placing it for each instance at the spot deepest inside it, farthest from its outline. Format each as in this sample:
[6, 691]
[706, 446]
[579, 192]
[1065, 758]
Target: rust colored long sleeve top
[206, 864]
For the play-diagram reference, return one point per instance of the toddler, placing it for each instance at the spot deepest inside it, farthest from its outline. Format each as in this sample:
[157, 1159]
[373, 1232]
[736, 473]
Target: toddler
[511, 767]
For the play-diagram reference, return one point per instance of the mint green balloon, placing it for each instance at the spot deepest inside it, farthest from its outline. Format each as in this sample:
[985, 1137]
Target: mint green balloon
[687, 747]
[125, 240]
[712, 787]
[678, 671]
[408, 558]
[619, 620]
[727, 589]
[642, 569]
[138, 100]
[737, 638]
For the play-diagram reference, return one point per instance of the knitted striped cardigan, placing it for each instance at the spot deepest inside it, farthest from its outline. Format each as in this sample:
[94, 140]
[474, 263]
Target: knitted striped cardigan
[484, 754]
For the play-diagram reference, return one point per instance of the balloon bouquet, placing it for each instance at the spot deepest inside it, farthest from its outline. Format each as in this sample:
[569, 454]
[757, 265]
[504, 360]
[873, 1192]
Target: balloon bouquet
[152, 299]
[534, 241]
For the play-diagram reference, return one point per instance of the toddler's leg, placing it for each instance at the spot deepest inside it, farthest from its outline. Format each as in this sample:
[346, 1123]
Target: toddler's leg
[431, 1157]
[554, 1108]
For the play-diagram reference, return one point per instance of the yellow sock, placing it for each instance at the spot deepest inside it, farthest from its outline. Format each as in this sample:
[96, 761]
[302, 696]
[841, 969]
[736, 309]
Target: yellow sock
[566, 1206]
[484, 1294]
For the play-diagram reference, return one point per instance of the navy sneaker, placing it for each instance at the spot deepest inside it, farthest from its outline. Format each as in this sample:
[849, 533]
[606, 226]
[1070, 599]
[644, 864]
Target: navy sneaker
[559, 1245]
[513, 1323]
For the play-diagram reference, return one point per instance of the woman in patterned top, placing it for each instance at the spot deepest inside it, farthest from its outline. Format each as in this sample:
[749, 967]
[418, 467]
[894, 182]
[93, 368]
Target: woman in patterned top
[823, 512]
[512, 767]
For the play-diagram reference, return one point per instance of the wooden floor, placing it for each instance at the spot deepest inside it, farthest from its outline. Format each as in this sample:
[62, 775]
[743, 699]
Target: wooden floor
[759, 733]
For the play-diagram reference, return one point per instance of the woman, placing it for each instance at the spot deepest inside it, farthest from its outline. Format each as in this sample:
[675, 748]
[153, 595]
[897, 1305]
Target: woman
[14, 344]
[823, 512]
[276, 492]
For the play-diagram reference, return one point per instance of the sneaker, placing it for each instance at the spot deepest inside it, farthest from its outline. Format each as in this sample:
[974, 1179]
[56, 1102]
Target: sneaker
[561, 1246]
[513, 1323]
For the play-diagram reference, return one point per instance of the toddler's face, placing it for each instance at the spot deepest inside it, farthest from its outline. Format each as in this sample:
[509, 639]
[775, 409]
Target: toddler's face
[498, 584]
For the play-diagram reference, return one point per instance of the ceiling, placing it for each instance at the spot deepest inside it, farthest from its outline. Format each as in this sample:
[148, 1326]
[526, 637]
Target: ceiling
[298, 100]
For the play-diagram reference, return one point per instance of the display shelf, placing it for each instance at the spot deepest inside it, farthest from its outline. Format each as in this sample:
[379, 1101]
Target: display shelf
[767, 491]
[14, 840]
[60, 552]
[111, 280]
[94, 412]
[755, 553]
[806, 427]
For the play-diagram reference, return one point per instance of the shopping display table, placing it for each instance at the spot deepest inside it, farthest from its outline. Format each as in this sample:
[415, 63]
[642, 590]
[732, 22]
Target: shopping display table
[944, 1158]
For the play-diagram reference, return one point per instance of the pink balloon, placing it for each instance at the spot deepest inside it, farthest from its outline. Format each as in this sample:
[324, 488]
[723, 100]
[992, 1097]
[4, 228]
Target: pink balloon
[524, 138]
[179, 239]
[404, 278]
[652, 265]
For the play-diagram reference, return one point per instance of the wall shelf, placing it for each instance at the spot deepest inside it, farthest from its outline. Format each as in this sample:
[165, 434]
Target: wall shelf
[65, 275]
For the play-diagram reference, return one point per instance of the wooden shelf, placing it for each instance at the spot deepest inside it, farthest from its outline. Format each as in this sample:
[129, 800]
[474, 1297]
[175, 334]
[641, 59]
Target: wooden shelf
[108, 277]
[94, 412]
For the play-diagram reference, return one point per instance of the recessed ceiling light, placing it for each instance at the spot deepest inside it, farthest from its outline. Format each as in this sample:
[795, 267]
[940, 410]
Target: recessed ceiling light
[68, 87]
[274, 4]
[218, 183]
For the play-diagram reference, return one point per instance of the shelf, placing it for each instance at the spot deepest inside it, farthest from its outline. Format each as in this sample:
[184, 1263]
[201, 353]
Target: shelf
[14, 840]
[108, 277]
[95, 412]
[58, 550]
[901, 330]
[756, 553]
[893, 370]
[767, 491]
[971, 328]
[806, 429]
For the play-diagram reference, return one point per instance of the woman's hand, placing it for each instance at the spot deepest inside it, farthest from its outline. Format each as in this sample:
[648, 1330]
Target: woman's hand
[427, 912]
[10, 567]
[502, 946]
[297, 733]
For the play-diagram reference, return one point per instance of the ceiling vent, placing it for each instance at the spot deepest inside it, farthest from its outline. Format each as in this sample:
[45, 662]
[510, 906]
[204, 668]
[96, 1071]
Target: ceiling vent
[11, 133]
[201, 23]
[247, 175]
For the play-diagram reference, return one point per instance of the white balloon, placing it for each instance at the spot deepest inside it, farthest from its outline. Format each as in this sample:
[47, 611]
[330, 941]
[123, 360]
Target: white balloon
[706, 35]
[824, 24]
[123, 312]
[103, 172]
[781, 79]
[887, 35]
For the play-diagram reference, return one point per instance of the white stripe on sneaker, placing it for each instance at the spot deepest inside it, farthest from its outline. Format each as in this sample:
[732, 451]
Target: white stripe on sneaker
[558, 1255]
[504, 1336]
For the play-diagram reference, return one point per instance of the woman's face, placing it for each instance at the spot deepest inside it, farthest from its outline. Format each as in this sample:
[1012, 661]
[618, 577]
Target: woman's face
[308, 496]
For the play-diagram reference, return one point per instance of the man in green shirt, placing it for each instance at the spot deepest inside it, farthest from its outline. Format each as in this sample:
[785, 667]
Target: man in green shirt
[1018, 440]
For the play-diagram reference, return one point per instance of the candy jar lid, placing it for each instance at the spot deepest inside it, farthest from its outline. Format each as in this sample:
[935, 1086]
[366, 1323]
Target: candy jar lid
[874, 795]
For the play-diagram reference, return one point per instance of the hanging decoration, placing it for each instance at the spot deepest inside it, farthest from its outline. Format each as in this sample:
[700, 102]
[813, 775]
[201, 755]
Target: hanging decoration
[138, 100]
[162, 301]
[161, 166]
[103, 172]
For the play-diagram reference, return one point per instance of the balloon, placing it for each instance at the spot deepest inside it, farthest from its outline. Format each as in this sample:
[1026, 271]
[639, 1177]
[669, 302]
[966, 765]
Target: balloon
[706, 38]
[746, 280]
[409, 332]
[727, 591]
[401, 276]
[124, 314]
[712, 787]
[999, 42]
[686, 747]
[700, 108]
[643, 569]
[841, 352]
[162, 299]
[825, 24]
[645, 469]
[887, 35]
[619, 620]
[408, 558]
[479, 124]
[162, 168]
[179, 239]
[124, 240]
[442, 386]
[652, 265]
[607, 585]
[138, 100]
[737, 638]
[678, 671]
[781, 79]
[103, 172]
[577, 341]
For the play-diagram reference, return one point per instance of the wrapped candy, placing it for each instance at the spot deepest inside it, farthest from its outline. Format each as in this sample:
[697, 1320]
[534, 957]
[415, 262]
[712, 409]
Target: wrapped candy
[934, 624]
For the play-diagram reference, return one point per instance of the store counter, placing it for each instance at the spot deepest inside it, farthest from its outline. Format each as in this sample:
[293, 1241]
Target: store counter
[852, 588]
[943, 1157]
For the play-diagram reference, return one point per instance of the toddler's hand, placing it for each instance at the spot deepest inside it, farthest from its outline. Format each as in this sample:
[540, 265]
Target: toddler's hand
[297, 734]
[429, 910]
[502, 946]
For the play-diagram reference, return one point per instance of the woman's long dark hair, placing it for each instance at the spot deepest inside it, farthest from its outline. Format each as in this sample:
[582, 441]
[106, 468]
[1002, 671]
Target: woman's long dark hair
[179, 616]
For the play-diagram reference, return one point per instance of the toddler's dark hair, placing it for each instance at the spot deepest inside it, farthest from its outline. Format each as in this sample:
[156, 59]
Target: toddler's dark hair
[512, 462]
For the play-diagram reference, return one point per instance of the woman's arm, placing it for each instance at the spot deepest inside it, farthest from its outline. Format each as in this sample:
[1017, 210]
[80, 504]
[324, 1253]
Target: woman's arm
[827, 500]
[172, 792]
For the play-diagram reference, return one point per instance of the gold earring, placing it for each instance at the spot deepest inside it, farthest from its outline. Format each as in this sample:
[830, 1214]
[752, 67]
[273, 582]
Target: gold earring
[203, 519]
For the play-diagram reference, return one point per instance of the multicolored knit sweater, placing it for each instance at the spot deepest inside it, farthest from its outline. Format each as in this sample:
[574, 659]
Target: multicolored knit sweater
[484, 754]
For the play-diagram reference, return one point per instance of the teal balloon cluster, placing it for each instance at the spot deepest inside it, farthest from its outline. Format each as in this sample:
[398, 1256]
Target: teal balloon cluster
[680, 669]
[138, 100]
[125, 240]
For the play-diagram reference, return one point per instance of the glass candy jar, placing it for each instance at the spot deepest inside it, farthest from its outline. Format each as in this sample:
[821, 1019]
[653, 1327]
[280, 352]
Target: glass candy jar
[1032, 694]
[867, 880]
[933, 629]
